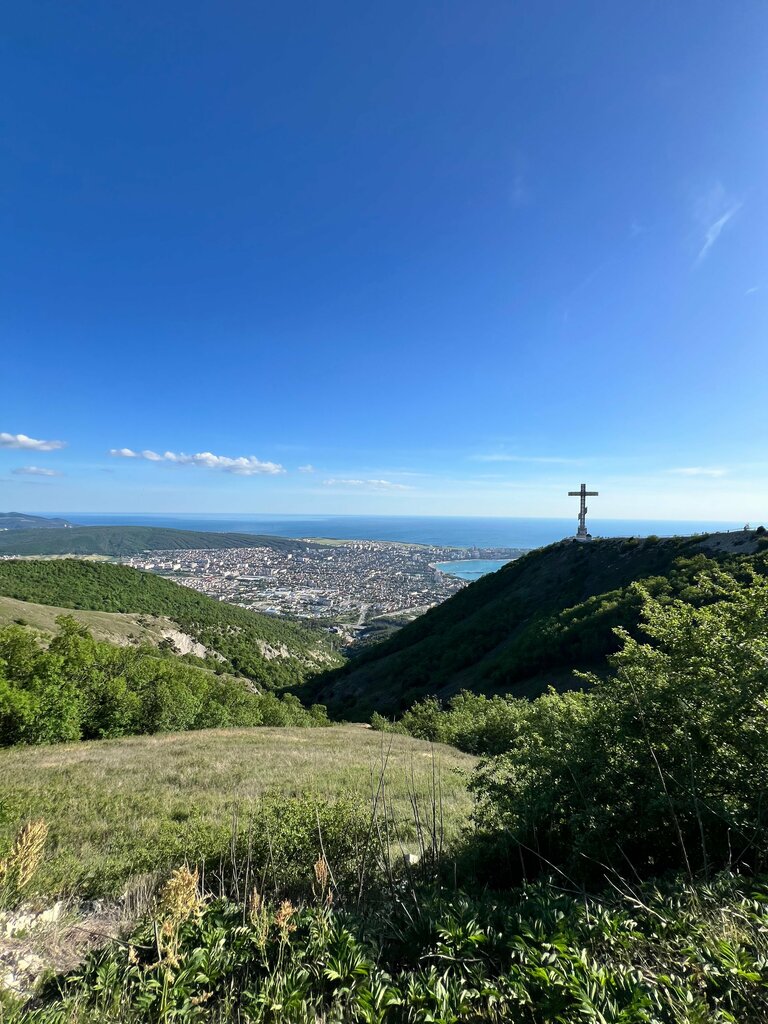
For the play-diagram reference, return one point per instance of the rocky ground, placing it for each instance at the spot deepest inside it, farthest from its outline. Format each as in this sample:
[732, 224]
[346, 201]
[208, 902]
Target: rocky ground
[54, 939]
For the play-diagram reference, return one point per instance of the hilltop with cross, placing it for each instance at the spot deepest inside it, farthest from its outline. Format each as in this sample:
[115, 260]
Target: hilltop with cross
[581, 533]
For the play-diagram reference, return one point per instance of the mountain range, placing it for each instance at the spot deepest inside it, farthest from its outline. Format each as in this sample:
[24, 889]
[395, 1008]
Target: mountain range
[122, 541]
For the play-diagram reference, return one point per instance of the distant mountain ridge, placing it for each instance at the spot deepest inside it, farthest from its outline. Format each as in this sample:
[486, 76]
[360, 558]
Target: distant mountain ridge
[532, 624]
[22, 521]
[120, 541]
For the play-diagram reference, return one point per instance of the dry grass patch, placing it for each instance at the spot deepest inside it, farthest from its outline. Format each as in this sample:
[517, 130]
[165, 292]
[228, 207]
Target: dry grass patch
[114, 627]
[120, 808]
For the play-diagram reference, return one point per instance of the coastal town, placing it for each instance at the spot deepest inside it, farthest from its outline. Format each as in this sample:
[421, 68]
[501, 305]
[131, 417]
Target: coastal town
[346, 584]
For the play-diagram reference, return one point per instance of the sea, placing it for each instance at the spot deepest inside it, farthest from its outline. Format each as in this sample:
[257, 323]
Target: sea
[441, 531]
[471, 568]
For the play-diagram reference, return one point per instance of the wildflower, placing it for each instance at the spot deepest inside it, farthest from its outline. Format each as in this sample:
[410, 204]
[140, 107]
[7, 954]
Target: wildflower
[283, 917]
[322, 873]
[19, 867]
[255, 903]
[323, 878]
[180, 898]
[259, 917]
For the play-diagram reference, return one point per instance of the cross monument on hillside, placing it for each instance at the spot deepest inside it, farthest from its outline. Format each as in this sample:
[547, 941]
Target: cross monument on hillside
[583, 493]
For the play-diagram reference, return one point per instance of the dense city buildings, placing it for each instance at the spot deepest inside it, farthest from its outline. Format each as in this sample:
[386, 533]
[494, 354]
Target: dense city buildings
[347, 584]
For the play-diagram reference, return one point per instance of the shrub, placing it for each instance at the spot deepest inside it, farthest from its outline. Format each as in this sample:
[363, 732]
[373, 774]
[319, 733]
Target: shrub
[285, 838]
[470, 721]
[82, 689]
[663, 765]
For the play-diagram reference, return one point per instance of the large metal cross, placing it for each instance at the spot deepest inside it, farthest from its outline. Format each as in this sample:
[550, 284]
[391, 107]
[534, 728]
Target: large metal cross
[583, 493]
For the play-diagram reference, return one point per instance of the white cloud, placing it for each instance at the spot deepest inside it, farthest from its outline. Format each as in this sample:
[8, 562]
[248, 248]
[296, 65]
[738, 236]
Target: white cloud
[713, 231]
[35, 471]
[29, 443]
[714, 210]
[307, 469]
[244, 465]
[712, 471]
[376, 485]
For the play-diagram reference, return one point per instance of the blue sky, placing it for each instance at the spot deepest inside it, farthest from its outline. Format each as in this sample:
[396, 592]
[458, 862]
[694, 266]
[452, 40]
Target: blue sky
[407, 257]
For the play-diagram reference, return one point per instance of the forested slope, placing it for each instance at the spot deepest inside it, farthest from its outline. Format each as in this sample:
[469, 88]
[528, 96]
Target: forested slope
[529, 625]
[22, 521]
[119, 541]
[271, 651]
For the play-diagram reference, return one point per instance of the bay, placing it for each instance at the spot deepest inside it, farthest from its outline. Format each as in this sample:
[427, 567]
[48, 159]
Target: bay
[471, 568]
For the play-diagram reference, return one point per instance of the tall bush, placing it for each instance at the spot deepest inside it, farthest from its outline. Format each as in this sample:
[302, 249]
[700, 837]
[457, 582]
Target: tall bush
[662, 765]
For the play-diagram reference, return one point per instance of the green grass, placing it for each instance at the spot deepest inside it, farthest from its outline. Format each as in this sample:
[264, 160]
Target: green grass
[119, 808]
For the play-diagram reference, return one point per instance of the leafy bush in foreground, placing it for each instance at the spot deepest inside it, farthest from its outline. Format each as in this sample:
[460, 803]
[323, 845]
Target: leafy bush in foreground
[664, 765]
[688, 955]
[285, 837]
[79, 688]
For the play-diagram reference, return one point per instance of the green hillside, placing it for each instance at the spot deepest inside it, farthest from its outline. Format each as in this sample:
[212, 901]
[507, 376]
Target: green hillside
[119, 541]
[113, 627]
[529, 625]
[273, 652]
[22, 521]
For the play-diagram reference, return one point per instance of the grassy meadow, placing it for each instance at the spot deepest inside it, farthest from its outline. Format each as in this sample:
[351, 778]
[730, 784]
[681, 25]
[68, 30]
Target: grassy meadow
[616, 868]
[117, 809]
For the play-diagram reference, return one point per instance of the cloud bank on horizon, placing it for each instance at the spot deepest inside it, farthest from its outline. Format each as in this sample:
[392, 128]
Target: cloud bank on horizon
[503, 483]
[710, 471]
